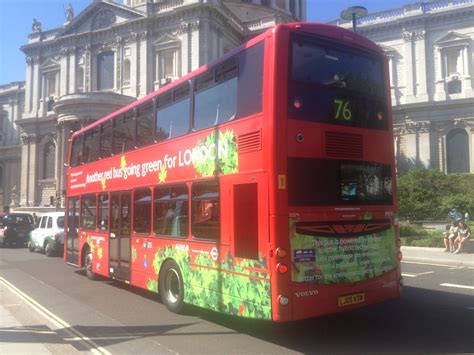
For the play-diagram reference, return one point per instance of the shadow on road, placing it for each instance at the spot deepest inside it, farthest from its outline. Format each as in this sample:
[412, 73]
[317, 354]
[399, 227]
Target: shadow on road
[422, 321]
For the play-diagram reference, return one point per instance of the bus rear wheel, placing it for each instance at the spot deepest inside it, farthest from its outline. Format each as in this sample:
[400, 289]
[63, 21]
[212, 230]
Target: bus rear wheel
[171, 287]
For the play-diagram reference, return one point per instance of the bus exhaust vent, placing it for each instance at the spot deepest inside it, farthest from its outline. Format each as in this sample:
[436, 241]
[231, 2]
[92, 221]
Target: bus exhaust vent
[344, 145]
[249, 142]
[342, 228]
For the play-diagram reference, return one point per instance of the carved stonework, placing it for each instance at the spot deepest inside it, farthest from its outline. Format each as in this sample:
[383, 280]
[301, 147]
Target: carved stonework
[64, 51]
[103, 19]
[28, 138]
[407, 36]
[413, 127]
[420, 35]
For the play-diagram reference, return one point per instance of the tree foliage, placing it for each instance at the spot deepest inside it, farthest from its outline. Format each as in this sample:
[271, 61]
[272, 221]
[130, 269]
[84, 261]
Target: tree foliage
[430, 194]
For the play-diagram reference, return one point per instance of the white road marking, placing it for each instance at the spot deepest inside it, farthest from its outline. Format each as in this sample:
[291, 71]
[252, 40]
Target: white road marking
[420, 263]
[457, 286]
[407, 274]
[18, 329]
[54, 319]
[456, 268]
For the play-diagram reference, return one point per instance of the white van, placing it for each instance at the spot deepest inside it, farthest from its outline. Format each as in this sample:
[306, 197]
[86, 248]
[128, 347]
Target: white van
[49, 235]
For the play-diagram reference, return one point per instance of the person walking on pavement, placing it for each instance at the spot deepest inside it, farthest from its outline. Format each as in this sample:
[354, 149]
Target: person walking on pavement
[464, 233]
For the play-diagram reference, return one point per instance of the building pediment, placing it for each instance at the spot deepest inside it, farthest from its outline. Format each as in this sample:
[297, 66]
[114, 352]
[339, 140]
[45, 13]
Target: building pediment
[50, 63]
[387, 49]
[99, 16]
[165, 41]
[453, 38]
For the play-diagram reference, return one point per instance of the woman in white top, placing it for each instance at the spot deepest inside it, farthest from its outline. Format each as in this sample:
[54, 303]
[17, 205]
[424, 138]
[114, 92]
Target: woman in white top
[464, 233]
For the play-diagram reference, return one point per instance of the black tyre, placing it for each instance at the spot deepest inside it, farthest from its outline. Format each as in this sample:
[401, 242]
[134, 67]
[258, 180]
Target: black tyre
[49, 249]
[31, 248]
[88, 265]
[171, 287]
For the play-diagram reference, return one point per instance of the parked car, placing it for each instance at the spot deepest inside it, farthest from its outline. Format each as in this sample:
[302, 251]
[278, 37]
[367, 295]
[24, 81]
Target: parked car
[49, 235]
[15, 228]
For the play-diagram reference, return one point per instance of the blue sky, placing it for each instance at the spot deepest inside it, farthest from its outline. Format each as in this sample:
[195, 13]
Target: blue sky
[16, 17]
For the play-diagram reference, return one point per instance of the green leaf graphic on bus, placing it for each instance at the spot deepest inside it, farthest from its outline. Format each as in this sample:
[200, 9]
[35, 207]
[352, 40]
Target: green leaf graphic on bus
[229, 286]
[217, 155]
[326, 260]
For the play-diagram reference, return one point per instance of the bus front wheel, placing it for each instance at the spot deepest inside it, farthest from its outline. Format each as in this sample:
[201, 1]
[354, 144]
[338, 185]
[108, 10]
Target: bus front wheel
[171, 287]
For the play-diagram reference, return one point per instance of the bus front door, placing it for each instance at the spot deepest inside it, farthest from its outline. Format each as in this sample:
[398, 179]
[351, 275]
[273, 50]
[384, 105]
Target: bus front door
[72, 240]
[120, 214]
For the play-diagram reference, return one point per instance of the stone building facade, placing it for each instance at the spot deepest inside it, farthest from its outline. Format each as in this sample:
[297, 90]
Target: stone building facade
[431, 57]
[106, 57]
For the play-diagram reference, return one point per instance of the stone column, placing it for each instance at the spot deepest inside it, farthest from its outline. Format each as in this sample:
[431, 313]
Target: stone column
[204, 42]
[134, 65]
[440, 89]
[194, 47]
[410, 66]
[144, 65]
[28, 170]
[88, 72]
[36, 86]
[72, 71]
[467, 81]
[424, 146]
[185, 38]
[29, 84]
[64, 73]
[421, 67]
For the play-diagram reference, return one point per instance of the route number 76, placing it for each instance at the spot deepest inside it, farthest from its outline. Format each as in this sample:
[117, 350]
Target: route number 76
[343, 112]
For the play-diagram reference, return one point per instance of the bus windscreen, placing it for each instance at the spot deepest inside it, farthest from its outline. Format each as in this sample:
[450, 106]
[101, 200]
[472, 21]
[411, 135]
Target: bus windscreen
[337, 85]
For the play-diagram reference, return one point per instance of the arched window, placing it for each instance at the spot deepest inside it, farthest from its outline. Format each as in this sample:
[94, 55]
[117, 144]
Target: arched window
[49, 158]
[126, 72]
[105, 71]
[457, 151]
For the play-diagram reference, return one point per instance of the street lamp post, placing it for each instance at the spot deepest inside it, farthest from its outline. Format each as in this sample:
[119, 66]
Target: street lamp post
[354, 13]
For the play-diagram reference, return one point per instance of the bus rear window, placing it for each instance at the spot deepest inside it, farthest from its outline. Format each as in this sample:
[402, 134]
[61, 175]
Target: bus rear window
[337, 85]
[313, 182]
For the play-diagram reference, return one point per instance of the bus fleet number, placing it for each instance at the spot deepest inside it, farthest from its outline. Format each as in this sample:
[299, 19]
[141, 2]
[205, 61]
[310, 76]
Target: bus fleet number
[342, 110]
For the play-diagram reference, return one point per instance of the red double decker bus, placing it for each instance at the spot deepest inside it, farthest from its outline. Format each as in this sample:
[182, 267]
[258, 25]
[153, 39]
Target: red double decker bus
[261, 185]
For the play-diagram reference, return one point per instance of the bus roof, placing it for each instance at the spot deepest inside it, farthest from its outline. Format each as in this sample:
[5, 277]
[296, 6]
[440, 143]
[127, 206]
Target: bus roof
[325, 30]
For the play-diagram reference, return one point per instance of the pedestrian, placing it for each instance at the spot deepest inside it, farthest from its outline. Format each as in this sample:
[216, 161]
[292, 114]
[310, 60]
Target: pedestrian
[450, 236]
[35, 219]
[464, 233]
[466, 217]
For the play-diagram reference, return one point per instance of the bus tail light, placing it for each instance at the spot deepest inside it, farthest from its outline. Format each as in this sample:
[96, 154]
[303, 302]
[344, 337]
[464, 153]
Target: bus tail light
[282, 268]
[283, 300]
[281, 253]
[399, 256]
[297, 103]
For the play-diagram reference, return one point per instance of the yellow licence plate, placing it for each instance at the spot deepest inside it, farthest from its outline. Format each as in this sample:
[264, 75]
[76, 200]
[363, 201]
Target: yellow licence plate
[350, 299]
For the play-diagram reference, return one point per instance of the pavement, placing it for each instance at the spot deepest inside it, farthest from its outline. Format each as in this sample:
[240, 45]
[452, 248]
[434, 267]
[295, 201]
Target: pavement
[436, 256]
[30, 345]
